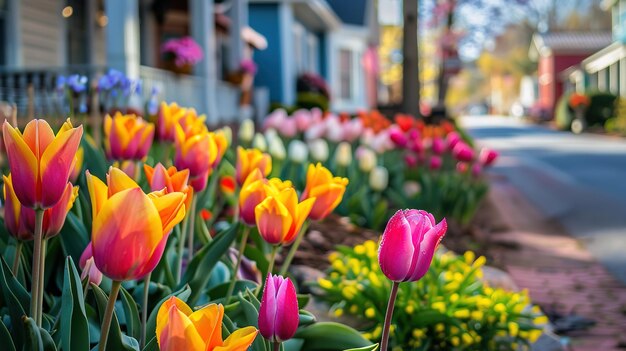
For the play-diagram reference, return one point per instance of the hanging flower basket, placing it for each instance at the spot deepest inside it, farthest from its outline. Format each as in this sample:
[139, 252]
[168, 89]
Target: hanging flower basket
[181, 55]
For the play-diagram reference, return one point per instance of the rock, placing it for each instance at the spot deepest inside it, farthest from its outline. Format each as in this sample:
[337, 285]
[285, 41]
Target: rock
[305, 274]
[548, 342]
[316, 239]
[498, 278]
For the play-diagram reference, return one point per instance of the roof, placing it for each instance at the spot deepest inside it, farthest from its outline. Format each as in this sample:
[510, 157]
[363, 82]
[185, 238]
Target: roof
[568, 43]
[350, 12]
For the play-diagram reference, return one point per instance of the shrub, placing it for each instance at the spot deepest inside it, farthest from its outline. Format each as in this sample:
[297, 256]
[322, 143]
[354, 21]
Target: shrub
[309, 100]
[451, 308]
[601, 108]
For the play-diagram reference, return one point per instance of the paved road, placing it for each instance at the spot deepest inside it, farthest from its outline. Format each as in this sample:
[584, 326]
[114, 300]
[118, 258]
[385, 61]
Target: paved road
[578, 180]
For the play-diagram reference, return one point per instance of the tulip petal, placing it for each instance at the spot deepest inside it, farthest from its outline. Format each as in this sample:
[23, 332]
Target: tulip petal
[427, 249]
[208, 323]
[180, 334]
[267, 310]
[55, 164]
[302, 212]
[170, 207]
[239, 340]
[119, 181]
[97, 193]
[23, 165]
[396, 248]
[128, 224]
[163, 313]
[273, 220]
[38, 135]
[287, 316]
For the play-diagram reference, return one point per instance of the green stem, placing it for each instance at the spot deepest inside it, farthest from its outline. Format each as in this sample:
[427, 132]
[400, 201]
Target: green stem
[270, 268]
[42, 270]
[192, 224]
[17, 258]
[37, 256]
[181, 248]
[144, 309]
[387, 325]
[294, 248]
[242, 247]
[108, 315]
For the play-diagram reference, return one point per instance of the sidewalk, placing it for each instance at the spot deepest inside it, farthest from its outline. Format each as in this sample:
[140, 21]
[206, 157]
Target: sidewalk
[561, 275]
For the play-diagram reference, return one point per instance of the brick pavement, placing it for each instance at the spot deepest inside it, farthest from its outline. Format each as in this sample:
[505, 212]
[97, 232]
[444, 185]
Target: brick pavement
[558, 271]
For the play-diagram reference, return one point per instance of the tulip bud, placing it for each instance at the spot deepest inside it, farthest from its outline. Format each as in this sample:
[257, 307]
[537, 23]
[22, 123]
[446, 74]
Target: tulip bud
[435, 162]
[463, 152]
[258, 142]
[298, 152]
[246, 131]
[228, 134]
[91, 272]
[319, 150]
[270, 134]
[278, 313]
[327, 190]
[476, 170]
[277, 149]
[288, 128]
[411, 188]
[437, 145]
[343, 154]
[452, 139]
[487, 157]
[367, 161]
[379, 178]
[410, 160]
[408, 244]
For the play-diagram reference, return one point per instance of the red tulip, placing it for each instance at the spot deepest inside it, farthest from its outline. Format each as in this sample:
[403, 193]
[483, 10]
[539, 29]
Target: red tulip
[408, 244]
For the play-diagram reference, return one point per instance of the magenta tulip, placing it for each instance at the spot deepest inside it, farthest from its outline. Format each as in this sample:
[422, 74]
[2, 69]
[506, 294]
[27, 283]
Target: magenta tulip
[278, 314]
[398, 137]
[452, 139]
[487, 157]
[463, 152]
[476, 170]
[438, 145]
[410, 160]
[408, 244]
[435, 162]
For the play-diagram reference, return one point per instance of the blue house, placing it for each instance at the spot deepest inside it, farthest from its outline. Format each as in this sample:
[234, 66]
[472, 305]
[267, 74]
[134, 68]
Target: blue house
[334, 39]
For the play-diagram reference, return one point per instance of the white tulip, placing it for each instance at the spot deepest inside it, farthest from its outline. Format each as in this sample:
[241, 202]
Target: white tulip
[277, 148]
[298, 151]
[379, 178]
[258, 142]
[270, 134]
[343, 154]
[228, 133]
[246, 130]
[367, 160]
[319, 150]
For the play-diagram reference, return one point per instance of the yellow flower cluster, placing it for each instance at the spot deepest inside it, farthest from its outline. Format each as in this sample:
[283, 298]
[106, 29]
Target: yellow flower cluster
[450, 308]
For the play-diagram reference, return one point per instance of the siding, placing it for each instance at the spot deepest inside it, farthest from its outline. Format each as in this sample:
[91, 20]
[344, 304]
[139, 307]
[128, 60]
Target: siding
[41, 27]
[264, 18]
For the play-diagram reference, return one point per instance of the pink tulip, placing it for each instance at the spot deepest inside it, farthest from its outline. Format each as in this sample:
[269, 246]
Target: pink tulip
[408, 244]
[352, 129]
[275, 119]
[410, 160]
[487, 157]
[278, 314]
[463, 152]
[452, 139]
[303, 119]
[438, 145]
[435, 162]
[414, 134]
[88, 266]
[288, 128]
[398, 137]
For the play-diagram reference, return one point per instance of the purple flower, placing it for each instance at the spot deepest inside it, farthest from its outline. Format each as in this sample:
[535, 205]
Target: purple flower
[184, 50]
[77, 83]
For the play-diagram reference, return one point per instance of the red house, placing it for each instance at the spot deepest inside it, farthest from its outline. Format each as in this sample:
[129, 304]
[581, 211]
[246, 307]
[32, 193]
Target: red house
[555, 52]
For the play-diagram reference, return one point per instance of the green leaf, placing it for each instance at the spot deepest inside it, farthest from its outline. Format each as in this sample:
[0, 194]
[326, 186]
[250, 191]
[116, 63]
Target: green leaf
[16, 298]
[33, 340]
[74, 324]
[74, 237]
[116, 341]
[240, 286]
[94, 160]
[5, 337]
[329, 336]
[366, 348]
[306, 318]
[152, 345]
[133, 324]
[251, 318]
[182, 294]
[197, 274]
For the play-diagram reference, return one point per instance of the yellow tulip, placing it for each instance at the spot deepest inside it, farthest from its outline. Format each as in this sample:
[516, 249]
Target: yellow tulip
[250, 159]
[327, 190]
[279, 217]
[179, 328]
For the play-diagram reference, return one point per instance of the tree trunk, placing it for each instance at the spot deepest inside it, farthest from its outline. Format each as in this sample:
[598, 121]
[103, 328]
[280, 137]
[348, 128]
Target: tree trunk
[443, 77]
[410, 64]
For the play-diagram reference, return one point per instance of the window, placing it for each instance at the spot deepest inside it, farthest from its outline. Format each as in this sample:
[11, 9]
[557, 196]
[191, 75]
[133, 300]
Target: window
[345, 74]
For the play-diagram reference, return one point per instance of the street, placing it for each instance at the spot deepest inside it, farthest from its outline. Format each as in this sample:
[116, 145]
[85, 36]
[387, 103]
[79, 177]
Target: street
[576, 180]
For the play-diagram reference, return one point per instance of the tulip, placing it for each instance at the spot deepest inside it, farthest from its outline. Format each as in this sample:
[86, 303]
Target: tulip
[461, 167]
[452, 139]
[275, 119]
[37, 158]
[253, 192]
[315, 131]
[352, 129]
[246, 131]
[367, 160]
[130, 228]
[398, 137]
[334, 131]
[406, 251]
[227, 185]
[279, 217]
[221, 141]
[14, 220]
[250, 159]
[53, 217]
[278, 313]
[88, 266]
[435, 163]
[410, 160]
[487, 157]
[258, 142]
[127, 137]
[343, 154]
[319, 150]
[438, 145]
[179, 328]
[379, 178]
[463, 152]
[170, 179]
[303, 119]
[77, 166]
[195, 152]
[476, 170]
[169, 115]
[228, 134]
[298, 151]
[276, 148]
[327, 190]
[288, 128]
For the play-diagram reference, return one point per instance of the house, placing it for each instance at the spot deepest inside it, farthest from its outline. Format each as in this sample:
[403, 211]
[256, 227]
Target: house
[42, 39]
[333, 39]
[606, 68]
[555, 52]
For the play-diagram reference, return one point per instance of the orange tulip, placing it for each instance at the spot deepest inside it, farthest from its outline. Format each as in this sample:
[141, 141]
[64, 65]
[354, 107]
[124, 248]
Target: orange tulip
[127, 137]
[180, 328]
[253, 192]
[170, 179]
[169, 115]
[130, 228]
[38, 157]
[20, 220]
[327, 190]
[279, 217]
[250, 159]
